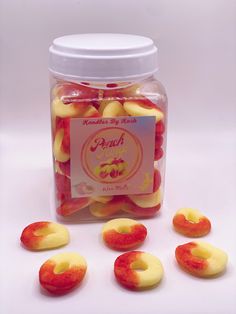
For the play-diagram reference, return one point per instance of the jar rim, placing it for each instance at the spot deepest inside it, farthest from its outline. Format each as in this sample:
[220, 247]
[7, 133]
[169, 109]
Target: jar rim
[103, 57]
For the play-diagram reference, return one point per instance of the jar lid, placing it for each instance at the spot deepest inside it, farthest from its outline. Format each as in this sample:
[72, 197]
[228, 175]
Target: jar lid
[103, 57]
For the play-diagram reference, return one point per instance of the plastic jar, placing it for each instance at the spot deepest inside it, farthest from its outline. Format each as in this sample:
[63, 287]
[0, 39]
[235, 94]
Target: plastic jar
[108, 126]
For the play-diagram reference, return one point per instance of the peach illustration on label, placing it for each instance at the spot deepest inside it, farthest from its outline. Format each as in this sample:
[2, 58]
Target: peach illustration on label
[112, 167]
[111, 155]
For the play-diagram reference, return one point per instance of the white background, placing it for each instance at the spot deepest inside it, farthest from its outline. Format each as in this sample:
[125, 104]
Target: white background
[197, 48]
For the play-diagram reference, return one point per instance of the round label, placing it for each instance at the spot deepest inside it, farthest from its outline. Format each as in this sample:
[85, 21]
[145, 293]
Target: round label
[111, 155]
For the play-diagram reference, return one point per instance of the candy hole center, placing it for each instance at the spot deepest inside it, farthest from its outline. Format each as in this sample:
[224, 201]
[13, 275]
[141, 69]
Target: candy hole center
[43, 232]
[139, 265]
[192, 218]
[201, 253]
[124, 229]
[61, 268]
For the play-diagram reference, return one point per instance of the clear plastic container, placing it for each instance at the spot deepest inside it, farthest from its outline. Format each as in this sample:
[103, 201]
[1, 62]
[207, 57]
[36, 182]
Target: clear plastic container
[109, 116]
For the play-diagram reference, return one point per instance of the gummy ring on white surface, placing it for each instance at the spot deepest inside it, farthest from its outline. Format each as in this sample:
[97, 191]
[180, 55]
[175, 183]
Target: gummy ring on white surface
[62, 272]
[123, 233]
[201, 259]
[43, 235]
[138, 270]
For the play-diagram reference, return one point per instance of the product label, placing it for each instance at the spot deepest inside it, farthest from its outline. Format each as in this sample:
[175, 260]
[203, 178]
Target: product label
[112, 156]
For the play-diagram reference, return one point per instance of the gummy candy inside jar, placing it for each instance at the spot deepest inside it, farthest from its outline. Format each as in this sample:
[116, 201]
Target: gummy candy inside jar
[109, 116]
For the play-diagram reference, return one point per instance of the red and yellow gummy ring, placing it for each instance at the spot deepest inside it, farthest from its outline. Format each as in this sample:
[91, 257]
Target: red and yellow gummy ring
[201, 259]
[123, 233]
[191, 222]
[138, 270]
[43, 235]
[62, 272]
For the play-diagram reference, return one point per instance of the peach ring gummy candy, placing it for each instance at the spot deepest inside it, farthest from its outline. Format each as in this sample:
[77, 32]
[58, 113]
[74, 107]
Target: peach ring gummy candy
[191, 222]
[143, 107]
[138, 270]
[62, 272]
[104, 206]
[123, 233]
[145, 204]
[73, 205]
[201, 259]
[44, 235]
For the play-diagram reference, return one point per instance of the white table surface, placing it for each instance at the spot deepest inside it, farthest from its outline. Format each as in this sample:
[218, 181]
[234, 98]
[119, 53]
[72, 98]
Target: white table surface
[201, 173]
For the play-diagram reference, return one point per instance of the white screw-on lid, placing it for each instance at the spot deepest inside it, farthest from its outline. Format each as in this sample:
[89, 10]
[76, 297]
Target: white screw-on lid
[103, 57]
